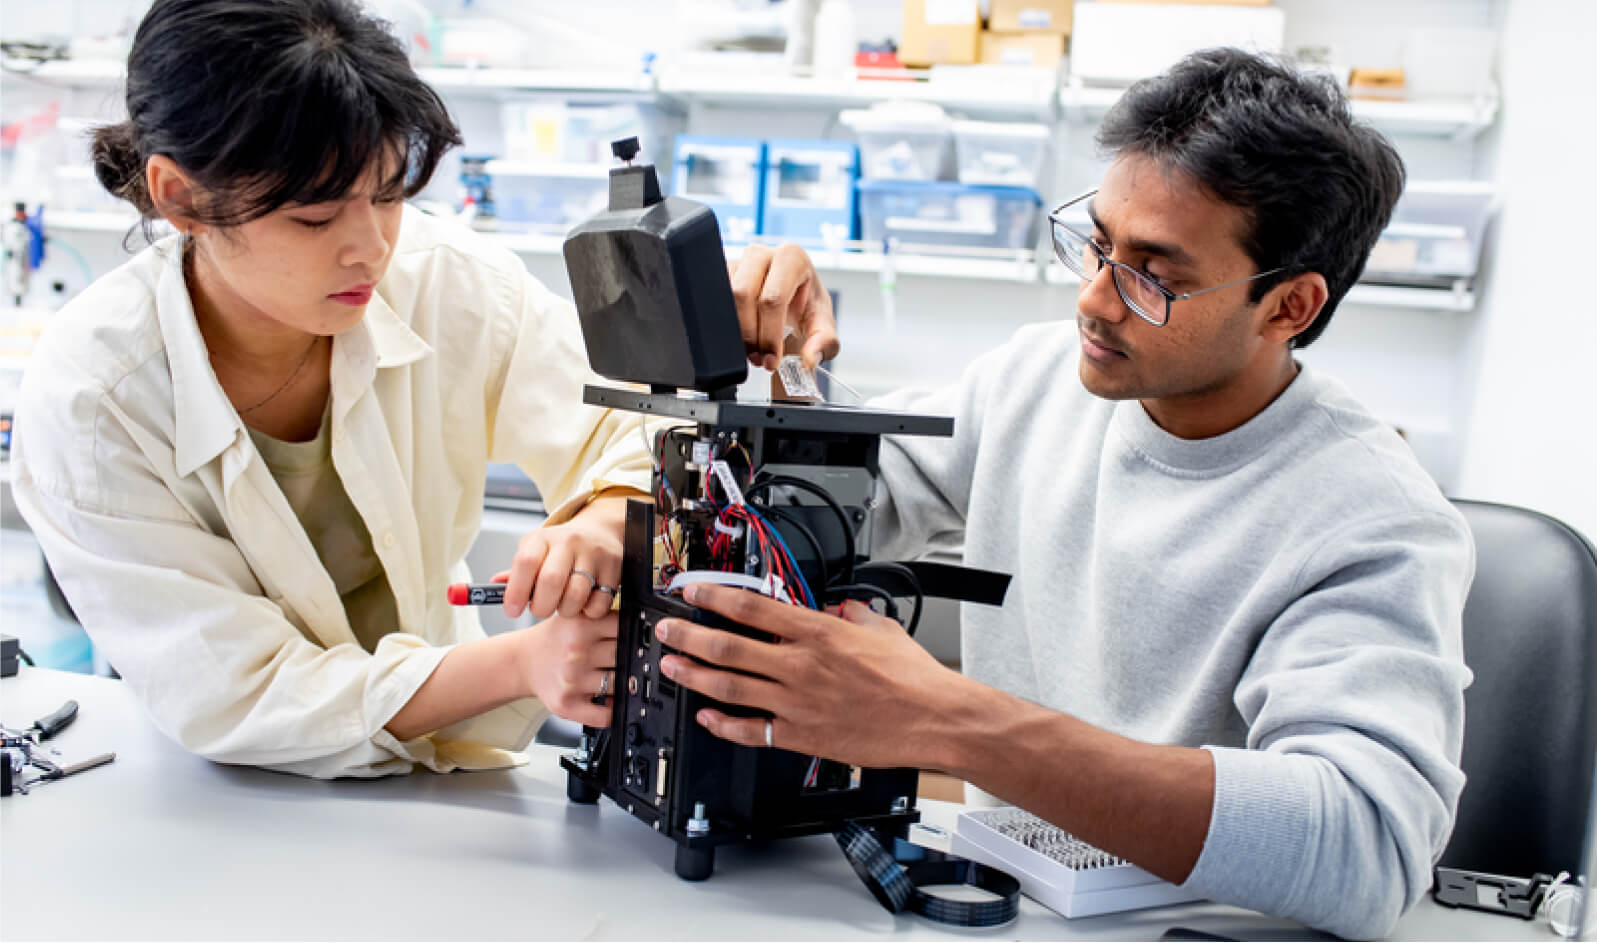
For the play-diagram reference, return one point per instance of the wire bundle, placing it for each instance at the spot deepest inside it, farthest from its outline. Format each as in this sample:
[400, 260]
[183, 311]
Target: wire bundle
[745, 517]
[779, 560]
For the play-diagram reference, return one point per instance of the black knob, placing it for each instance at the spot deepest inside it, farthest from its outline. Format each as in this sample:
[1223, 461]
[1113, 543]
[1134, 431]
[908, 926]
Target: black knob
[626, 148]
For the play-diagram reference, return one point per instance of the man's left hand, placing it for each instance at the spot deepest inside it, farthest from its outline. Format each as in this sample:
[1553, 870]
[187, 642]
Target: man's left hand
[854, 688]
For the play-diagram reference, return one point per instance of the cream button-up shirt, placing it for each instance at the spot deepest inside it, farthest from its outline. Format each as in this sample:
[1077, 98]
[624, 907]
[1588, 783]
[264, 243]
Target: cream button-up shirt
[183, 559]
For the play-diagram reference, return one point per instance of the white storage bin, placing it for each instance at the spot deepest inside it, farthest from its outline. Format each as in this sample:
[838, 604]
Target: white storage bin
[1117, 43]
[1435, 232]
[997, 153]
[902, 141]
[948, 214]
[548, 131]
[548, 197]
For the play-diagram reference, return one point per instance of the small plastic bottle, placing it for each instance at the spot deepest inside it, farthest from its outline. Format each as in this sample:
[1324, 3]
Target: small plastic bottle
[835, 40]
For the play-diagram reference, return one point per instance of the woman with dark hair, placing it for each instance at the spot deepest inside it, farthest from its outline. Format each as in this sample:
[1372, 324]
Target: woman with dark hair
[254, 455]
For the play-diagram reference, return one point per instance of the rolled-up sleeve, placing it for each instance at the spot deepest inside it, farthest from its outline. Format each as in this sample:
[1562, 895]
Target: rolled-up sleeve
[1344, 798]
[219, 667]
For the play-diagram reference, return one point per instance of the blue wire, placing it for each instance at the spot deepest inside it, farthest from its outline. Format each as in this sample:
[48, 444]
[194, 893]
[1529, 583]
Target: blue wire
[809, 597]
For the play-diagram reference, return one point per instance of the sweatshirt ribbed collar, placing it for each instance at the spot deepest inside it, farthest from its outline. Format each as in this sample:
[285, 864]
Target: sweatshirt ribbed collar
[1221, 453]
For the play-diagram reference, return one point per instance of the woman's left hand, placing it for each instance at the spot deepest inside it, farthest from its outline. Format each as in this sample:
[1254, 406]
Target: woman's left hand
[569, 568]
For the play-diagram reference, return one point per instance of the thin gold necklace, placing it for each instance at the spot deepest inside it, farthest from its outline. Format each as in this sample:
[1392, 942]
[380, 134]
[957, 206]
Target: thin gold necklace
[297, 368]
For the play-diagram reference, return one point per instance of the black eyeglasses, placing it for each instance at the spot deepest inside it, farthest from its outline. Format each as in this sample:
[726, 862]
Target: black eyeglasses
[1147, 298]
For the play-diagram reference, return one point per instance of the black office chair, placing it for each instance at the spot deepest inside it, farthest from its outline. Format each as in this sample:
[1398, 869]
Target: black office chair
[1530, 717]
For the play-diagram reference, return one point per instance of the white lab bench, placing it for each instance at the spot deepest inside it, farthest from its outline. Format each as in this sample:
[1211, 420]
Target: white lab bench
[161, 844]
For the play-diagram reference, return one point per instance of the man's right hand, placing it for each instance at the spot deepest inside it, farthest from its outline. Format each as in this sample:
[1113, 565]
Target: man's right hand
[776, 289]
[567, 660]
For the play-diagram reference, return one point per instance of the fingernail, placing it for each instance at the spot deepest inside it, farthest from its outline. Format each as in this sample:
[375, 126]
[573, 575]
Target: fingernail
[703, 718]
[662, 630]
[691, 592]
[668, 667]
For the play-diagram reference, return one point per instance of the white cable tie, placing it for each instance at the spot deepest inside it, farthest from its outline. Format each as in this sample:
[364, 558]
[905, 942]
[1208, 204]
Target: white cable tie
[719, 578]
[776, 589]
[733, 532]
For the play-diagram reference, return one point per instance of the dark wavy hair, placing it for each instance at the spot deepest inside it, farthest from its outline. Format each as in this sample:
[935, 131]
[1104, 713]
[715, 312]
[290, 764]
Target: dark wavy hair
[1317, 187]
[270, 102]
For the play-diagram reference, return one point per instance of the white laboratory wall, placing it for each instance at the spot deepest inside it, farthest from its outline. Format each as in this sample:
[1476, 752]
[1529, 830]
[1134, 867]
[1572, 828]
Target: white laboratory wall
[1528, 399]
[1489, 398]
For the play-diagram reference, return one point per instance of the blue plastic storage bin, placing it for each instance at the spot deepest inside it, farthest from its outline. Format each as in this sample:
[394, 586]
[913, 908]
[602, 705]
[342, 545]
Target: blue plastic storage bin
[809, 192]
[725, 174]
[949, 214]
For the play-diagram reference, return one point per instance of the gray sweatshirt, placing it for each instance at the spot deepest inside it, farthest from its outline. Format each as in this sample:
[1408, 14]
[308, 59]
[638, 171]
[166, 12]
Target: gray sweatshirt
[1287, 595]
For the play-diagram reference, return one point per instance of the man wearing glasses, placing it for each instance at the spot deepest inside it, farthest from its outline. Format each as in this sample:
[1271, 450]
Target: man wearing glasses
[1231, 650]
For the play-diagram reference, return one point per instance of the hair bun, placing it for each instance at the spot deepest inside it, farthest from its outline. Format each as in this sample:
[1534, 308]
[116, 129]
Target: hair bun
[120, 167]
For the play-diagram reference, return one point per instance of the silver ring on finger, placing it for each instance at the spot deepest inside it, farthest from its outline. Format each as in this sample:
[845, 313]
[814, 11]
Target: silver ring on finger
[604, 683]
[768, 742]
[609, 590]
[584, 573]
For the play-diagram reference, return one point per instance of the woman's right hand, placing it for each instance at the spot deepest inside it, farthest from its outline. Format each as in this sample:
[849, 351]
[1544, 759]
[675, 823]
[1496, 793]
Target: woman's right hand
[568, 659]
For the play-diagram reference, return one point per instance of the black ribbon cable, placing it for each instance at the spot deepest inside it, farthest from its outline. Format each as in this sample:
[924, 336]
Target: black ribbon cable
[899, 888]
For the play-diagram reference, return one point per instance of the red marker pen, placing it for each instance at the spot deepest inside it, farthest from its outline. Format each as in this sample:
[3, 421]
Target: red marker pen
[476, 594]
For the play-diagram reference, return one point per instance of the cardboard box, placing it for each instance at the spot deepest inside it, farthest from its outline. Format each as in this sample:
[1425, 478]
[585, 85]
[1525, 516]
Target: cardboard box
[940, 32]
[1044, 16]
[1377, 84]
[1031, 49]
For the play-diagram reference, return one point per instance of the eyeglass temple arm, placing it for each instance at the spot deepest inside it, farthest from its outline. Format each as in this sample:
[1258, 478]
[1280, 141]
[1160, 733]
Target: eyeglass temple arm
[1205, 291]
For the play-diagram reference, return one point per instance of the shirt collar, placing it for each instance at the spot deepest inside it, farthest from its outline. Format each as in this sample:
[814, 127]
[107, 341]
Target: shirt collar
[206, 421]
[394, 343]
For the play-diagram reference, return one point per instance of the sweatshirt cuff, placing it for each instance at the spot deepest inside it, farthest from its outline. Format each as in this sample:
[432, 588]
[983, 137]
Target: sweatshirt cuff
[1260, 826]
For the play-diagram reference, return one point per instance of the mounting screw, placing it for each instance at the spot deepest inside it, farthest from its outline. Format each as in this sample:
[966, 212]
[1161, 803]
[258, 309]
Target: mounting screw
[901, 805]
[698, 825]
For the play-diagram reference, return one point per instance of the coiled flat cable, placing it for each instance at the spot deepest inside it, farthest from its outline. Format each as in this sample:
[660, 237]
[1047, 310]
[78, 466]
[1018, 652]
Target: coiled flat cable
[899, 888]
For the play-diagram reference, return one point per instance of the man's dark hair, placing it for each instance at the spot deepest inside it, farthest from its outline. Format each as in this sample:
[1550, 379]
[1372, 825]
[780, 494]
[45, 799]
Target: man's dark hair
[268, 102]
[1317, 187]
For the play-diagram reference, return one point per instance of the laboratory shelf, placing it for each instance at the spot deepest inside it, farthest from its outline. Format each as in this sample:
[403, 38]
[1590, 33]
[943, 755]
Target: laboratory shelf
[1017, 91]
[1007, 90]
[1453, 118]
[490, 80]
[72, 72]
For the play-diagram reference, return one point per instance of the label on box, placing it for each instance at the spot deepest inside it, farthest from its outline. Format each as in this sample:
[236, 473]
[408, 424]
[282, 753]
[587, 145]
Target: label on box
[1036, 18]
[950, 12]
